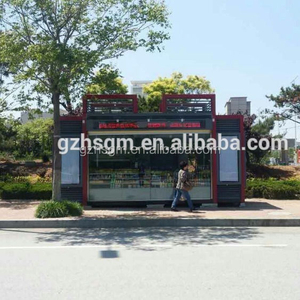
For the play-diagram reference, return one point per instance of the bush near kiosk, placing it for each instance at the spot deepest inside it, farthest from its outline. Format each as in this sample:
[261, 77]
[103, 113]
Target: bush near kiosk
[74, 209]
[58, 209]
[37, 191]
[273, 189]
[51, 209]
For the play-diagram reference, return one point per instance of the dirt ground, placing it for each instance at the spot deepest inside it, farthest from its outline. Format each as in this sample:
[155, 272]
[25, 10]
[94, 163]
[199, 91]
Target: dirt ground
[279, 172]
[20, 168]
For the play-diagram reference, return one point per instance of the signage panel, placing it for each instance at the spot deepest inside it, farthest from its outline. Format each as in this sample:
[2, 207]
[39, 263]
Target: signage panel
[149, 125]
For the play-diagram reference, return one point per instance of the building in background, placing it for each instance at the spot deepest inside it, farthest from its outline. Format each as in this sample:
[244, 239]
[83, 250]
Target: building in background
[137, 86]
[285, 156]
[238, 104]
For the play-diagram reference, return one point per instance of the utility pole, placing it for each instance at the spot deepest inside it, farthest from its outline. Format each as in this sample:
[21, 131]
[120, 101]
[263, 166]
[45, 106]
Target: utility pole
[295, 154]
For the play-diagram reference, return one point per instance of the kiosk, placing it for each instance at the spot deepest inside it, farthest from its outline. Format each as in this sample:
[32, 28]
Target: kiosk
[127, 177]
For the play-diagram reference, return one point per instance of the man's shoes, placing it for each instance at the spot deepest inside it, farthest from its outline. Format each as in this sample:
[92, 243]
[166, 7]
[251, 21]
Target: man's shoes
[174, 209]
[193, 209]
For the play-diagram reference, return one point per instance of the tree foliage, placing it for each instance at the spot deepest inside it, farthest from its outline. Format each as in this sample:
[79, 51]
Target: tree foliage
[3, 73]
[288, 98]
[3, 105]
[34, 138]
[53, 47]
[8, 134]
[107, 81]
[258, 131]
[176, 84]
[23, 140]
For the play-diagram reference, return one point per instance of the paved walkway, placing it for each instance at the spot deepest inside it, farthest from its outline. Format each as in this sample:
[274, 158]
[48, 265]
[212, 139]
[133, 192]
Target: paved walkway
[254, 209]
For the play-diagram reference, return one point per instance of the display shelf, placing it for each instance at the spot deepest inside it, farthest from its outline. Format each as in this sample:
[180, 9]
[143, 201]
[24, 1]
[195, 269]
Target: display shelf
[155, 179]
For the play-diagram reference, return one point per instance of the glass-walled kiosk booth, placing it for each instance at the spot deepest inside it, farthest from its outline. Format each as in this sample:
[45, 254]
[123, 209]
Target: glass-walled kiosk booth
[129, 157]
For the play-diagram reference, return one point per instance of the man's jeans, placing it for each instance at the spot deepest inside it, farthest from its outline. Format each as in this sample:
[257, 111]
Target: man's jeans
[186, 195]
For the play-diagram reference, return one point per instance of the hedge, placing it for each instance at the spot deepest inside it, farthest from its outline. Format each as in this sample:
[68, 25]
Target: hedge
[256, 188]
[273, 189]
[37, 191]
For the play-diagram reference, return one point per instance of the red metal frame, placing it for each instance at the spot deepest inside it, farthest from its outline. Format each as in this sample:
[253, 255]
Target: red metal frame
[134, 99]
[71, 118]
[84, 157]
[214, 153]
[110, 105]
[243, 162]
[164, 104]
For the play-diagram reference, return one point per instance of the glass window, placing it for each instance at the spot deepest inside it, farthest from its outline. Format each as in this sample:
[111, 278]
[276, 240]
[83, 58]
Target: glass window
[145, 176]
[70, 165]
[228, 160]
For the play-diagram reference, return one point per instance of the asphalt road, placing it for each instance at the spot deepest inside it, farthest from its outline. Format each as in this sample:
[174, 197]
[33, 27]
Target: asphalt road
[168, 263]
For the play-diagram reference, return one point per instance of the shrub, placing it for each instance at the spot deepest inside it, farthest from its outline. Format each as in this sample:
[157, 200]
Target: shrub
[51, 209]
[1, 185]
[45, 158]
[41, 191]
[41, 172]
[18, 179]
[58, 209]
[273, 189]
[7, 157]
[15, 190]
[44, 180]
[6, 177]
[74, 208]
[37, 191]
[20, 171]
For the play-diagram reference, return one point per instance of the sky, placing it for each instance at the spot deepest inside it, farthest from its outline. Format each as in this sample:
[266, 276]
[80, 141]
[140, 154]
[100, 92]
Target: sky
[244, 48]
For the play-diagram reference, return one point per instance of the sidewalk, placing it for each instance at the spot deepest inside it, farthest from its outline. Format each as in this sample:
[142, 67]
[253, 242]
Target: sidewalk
[257, 212]
[254, 209]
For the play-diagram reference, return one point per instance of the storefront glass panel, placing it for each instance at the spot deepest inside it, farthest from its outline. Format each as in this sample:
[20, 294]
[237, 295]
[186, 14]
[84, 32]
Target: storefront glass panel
[146, 176]
[70, 164]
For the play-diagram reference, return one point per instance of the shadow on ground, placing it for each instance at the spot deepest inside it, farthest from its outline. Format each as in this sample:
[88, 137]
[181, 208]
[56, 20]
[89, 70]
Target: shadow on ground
[156, 212]
[15, 205]
[147, 239]
[250, 206]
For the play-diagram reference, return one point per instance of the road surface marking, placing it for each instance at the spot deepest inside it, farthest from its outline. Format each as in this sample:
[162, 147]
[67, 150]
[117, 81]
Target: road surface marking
[108, 247]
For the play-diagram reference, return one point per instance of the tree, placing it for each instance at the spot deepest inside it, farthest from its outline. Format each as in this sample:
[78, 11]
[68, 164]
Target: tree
[258, 131]
[107, 81]
[8, 134]
[34, 138]
[176, 84]
[3, 105]
[54, 46]
[3, 73]
[288, 98]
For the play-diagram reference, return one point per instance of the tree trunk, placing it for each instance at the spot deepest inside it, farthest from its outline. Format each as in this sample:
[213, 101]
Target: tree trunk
[56, 158]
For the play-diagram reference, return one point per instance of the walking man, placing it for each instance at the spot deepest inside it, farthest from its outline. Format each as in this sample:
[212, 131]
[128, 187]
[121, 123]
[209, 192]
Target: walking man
[182, 187]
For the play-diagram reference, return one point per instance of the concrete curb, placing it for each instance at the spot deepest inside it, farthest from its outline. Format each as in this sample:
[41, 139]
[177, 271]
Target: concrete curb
[134, 223]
